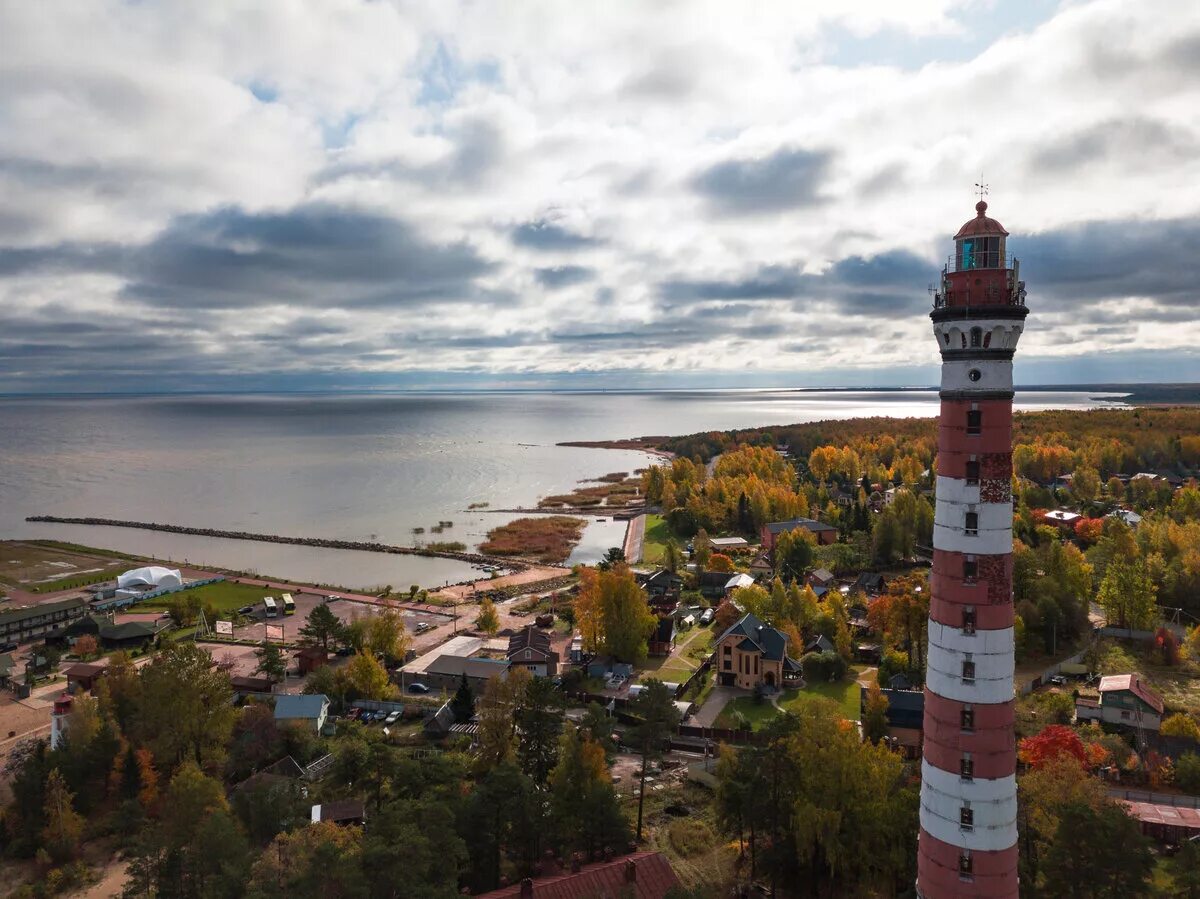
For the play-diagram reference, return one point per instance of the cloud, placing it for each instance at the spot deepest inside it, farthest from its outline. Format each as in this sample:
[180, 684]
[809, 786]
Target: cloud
[564, 276]
[789, 178]
[547, 236]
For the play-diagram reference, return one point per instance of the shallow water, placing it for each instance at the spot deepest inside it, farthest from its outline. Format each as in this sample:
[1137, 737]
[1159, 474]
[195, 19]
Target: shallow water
[359, 467]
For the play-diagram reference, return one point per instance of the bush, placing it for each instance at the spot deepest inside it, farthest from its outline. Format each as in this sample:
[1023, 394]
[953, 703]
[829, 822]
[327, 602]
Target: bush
[1059, 707]
[1187, 773]
[821, 667]
[690, 837]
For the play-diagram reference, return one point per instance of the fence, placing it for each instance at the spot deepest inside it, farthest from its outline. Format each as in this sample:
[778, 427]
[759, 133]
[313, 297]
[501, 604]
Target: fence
[1156, 798]
[122, 602]
[1033, 683]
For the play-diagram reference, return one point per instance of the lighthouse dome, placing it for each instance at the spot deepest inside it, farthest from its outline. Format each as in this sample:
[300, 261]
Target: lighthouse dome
[981, 225]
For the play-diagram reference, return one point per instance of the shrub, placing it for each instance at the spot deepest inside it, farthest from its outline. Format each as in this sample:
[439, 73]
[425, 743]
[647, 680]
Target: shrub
[690, 837]
[819, 667]
[1187, 773]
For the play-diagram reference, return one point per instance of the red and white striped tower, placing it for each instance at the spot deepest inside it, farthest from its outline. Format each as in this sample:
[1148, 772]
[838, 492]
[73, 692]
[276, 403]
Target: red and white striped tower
[968, 842]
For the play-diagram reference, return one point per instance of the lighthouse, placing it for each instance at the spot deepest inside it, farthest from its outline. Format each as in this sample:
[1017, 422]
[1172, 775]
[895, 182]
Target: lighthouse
[968, 841]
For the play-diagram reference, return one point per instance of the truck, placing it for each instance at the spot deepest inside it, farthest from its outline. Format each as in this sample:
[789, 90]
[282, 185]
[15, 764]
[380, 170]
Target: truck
[269, 605]
[289, 604]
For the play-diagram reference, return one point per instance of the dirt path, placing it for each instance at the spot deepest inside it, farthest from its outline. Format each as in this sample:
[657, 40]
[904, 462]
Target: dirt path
[531, 575]
[635, 535]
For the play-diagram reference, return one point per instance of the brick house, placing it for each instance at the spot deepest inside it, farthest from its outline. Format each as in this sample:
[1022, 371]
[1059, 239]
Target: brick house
[751, 653]
[825, 533]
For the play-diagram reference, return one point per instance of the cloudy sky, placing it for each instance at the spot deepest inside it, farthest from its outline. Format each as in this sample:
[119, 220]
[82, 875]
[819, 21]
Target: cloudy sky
[229, 195]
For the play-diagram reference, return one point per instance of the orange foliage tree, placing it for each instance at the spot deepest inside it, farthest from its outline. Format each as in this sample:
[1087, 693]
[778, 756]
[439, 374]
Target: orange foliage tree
[1052, 742]
[1088, 530]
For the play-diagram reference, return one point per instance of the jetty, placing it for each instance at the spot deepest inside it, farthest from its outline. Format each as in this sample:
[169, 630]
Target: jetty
[318, 542]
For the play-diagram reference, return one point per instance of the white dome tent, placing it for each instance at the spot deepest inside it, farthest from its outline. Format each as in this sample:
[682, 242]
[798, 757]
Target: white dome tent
[154, 576]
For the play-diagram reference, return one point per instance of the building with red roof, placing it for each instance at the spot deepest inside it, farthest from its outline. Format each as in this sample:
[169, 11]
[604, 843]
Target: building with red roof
[642, 875]
[1126, 699]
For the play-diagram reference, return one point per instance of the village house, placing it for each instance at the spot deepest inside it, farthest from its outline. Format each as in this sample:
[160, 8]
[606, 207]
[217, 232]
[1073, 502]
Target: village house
[340, 811]
[661, 586]
[821, 577]
[17, 625]
[871, 583]
[761, 567]
[825, 533]
[82, 676]
[530, 648]
[662, 639]
[310, 710]
[1126, 700]
[1063, 519]
[446, 672]
[905, 717]
[642, 875]
[751, 654]
[728, 544]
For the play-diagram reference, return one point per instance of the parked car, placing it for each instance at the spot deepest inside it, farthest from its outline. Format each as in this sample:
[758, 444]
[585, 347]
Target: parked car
[381, 715]
[1058, 680]
[417, 688]
[707, 616]
[8, 647]
[354, 713]
[246, 610]
[343, 651]
[392, 718]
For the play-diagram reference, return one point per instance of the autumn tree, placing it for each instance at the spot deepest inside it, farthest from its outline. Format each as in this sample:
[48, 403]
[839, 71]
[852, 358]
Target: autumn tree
[64, 826]
[588, 609]
[720, 562]
[793, 554]
[1180, 724]
[1127, 595]
[488, 619]
[86, 646]
[726, 616]
[1043, 794]
[497, 718]
[624, 617]
[1113, 862]
[319, 860]
[1052, 742]
[875, 724]
[1085, 484]
[185, 708]
[365, 677]
[583, 805]
[387, 636]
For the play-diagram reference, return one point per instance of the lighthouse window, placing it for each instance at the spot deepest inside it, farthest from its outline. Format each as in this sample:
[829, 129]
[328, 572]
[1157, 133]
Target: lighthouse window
[970, 569]
[973, 471]
[974, 421]
[966, 818]
[968, 671]
[974, 374]
[966, 768]
[968, 627]
[967, 721]
[976, 337]
[964, 864]
[972, 523]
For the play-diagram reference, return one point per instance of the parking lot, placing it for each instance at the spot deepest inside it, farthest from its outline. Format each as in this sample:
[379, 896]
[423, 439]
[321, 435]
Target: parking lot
[346, 610]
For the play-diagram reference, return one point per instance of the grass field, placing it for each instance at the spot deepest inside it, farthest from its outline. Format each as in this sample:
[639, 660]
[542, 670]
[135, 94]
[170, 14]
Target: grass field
[690, 649]
[843, 694]
[227, 596]
[657, 535]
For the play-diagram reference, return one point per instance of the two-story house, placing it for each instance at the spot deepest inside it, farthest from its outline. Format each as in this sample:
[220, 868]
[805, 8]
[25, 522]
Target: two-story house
[751, 653]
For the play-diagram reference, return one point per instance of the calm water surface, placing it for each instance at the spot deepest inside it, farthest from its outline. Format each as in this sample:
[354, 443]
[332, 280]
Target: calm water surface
[362, 467]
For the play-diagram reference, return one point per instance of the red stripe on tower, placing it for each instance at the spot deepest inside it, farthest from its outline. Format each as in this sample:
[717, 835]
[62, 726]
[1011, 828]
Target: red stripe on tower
[968, 843]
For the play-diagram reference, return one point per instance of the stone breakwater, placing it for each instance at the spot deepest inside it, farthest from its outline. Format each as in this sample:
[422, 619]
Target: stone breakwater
[320, 542]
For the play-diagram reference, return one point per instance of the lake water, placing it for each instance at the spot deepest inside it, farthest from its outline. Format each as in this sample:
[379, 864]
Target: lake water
[361, 467]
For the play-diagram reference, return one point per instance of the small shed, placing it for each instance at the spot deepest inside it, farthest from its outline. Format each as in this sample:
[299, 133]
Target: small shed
[83, 676]
[310, 658]
[340, 811]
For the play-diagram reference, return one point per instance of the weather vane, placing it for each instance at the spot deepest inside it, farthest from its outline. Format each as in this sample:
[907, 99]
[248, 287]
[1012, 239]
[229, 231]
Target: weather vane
[981, 188]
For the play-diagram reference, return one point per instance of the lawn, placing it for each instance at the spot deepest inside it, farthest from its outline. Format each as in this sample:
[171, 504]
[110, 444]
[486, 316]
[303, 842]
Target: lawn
[657, 535]
[844, 694]
[690, 650]
[226, 596]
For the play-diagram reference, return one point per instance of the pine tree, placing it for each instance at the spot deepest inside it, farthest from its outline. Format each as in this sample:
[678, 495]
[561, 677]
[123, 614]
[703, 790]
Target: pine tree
[463, 703]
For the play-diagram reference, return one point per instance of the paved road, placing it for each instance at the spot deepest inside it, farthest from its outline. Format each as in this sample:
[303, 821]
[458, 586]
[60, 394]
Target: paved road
[635, 534]
[717, 700]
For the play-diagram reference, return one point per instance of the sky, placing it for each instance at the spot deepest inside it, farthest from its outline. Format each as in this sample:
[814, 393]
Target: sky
[338, 194]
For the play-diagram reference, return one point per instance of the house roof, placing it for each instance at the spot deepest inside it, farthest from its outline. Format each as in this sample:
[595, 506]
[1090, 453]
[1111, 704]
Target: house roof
[870, 579]
[720, 542]
[24, 613]
[83, 669]
[713, 579]
[739, 580]
[251, 684]
[820, 644]
[529, 637]
[822, 574]
[442, 721]
[1062, 515]
[1175, 816]
[127, 630]
[1116, 683]
[458, 666]
[651, 878]
[779, 527]
[339, 810]
[304, 705]
[766, 639]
